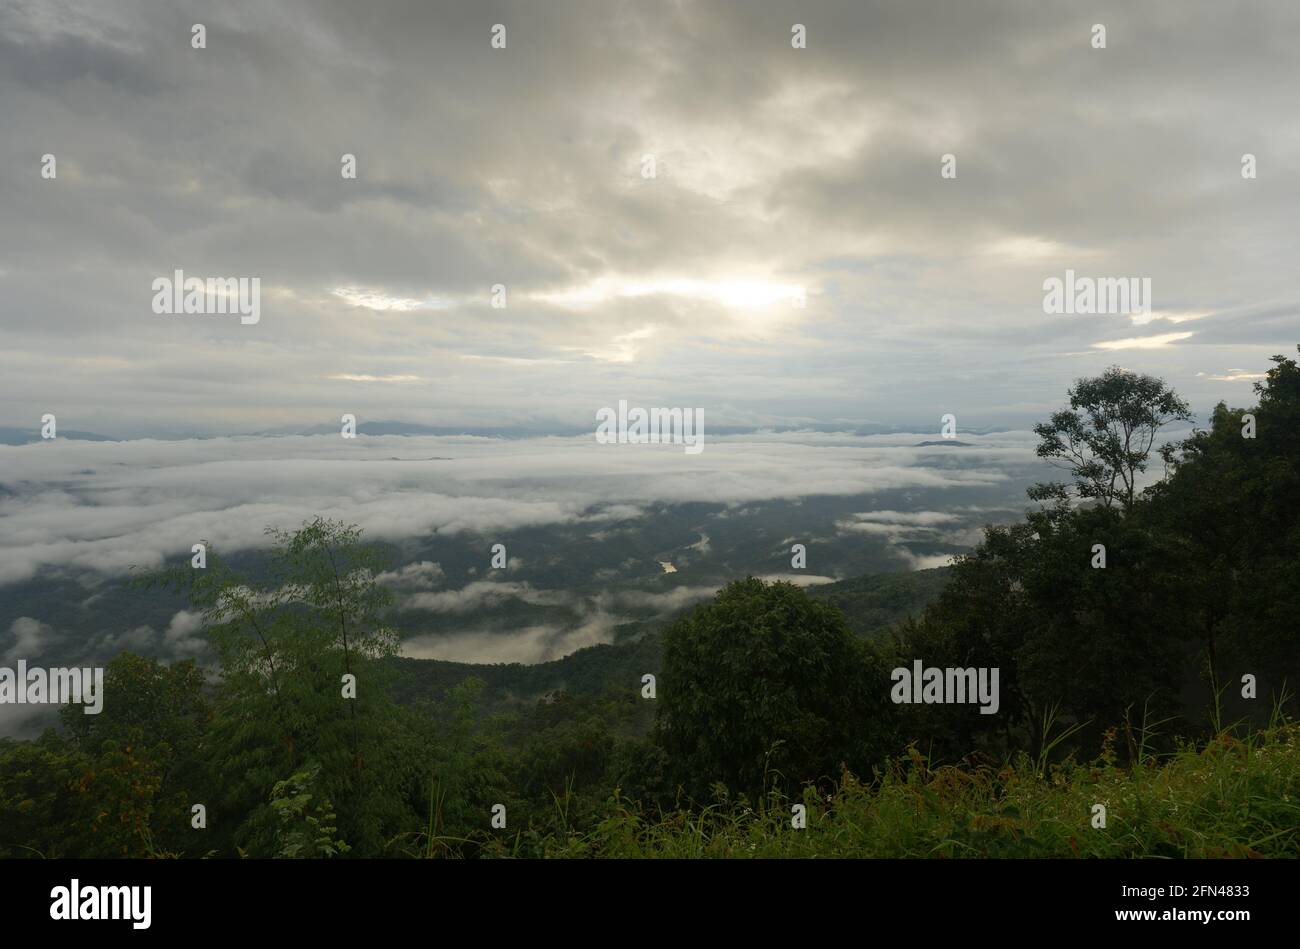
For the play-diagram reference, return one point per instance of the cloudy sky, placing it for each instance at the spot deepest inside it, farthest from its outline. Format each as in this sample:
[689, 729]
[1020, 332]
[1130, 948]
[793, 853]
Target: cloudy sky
[778, 170]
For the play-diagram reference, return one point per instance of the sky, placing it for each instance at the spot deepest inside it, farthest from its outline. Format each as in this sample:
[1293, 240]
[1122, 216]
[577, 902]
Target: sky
[781, 175]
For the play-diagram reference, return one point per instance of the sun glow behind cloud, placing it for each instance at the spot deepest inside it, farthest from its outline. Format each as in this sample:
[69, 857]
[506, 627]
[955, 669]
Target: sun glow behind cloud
[727, 291]
[1143, 342]
[373, 299]
[1027, 248]
[1234, 375]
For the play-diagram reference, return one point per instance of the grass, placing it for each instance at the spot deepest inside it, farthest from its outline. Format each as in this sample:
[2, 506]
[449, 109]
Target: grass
[1233, 796]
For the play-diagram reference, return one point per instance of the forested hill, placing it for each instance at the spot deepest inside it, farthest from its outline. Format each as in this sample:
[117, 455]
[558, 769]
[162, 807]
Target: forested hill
[870, 604]
[873, 603]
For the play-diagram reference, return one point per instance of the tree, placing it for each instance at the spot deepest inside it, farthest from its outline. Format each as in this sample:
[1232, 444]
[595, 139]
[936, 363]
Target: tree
[1103, 641]
[765, 685]
[1232, 506]
[147, 758]
[1105, 438]
[40, 813]
[980, 619]
[303, 654]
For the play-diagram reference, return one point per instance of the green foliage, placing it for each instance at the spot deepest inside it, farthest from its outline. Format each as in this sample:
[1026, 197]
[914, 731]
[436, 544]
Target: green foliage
[1104, 440]
[1233, 797]
[640, 771]
[116, 784]
[874, 603]
[1232, 513]
[305, 829]
[1202, 573]
[763, 685]
[146, 754]
[40, 814]
[286, 641]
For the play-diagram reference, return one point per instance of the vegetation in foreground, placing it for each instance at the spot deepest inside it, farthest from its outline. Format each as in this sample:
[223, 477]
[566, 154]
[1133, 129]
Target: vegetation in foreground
[1234, 797]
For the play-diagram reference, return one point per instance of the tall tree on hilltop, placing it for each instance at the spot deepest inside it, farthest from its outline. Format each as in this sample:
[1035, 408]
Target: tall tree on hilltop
[1105, 438]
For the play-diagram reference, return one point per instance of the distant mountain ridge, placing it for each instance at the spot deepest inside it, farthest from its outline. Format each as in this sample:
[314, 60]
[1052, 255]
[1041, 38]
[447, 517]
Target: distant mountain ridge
[11, 435]
[25, 436]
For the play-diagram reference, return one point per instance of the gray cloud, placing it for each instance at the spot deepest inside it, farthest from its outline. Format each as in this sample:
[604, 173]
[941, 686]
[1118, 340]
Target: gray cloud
[30, 639]
[423, 574]
[540, 643]
[484, 593]
[778, 167]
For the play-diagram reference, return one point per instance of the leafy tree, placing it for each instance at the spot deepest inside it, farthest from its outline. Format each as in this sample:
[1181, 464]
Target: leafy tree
[764, 685]
[981, 619]
[1232, 508]
[290, 643]
[1105, 438]
[462, 773]
[1104, 642]
[1071, 642]
[40, 815]
[147, 756]
[639, 768]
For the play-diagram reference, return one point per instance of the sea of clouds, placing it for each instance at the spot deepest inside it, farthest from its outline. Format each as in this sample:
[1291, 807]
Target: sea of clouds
[94, 511]
[104, 507]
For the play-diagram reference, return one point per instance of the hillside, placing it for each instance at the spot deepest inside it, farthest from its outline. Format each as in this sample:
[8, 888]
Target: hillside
[588, 671]
[875, 602]
[870, 605]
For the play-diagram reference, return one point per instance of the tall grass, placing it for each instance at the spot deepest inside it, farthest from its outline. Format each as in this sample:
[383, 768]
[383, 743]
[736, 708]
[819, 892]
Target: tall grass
[1237, 795]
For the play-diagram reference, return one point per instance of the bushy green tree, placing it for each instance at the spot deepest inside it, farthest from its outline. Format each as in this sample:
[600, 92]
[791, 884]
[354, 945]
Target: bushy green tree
[1232, 507]
[981, 619]
[1103, 642]
[764, 685]
[147, 752]
[41, 815]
